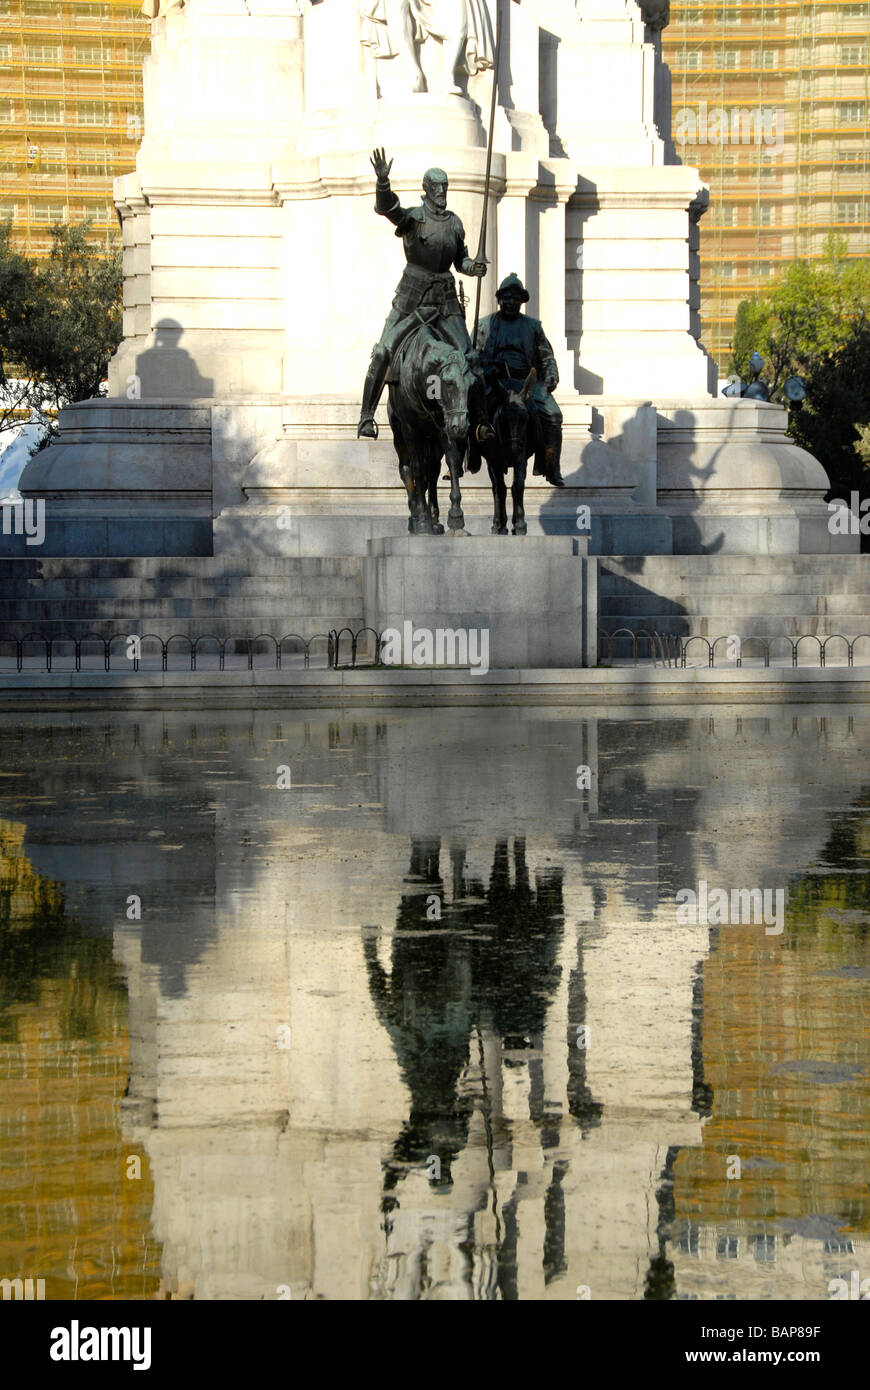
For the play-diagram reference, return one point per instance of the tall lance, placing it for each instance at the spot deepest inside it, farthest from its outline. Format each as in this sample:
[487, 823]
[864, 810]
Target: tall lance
[481, 247]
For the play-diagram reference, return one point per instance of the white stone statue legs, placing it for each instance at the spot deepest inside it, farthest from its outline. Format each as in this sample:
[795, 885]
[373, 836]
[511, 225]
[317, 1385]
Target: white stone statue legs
[395, 31]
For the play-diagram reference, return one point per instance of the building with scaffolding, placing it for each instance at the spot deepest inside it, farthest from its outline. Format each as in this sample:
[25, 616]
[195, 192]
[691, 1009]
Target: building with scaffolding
[771, 101]
[70, 112]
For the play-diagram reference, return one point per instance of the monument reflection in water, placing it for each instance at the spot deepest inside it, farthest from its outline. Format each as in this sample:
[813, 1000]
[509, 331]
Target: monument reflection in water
[424, 1022]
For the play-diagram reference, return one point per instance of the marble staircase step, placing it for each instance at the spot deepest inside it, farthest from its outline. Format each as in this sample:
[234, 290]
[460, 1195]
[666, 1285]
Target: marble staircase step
[703, 588]
[738, 605]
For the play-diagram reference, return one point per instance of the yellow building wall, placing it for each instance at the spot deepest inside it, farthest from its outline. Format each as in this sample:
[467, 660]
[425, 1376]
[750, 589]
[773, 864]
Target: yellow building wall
[70, 112]
[71, 120]
[73, 1213]
[799, 68]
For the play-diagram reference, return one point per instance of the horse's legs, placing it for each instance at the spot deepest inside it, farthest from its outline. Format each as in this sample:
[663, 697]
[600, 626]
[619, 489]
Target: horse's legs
[421, 518]
[434, 466]
[499, 499]
[401, 448]
[455, 518]
[407, 478]
[518, 488]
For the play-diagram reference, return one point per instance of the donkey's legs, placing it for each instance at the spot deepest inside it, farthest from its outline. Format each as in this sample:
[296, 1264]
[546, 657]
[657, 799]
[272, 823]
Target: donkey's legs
[499, 499]
[518, 488]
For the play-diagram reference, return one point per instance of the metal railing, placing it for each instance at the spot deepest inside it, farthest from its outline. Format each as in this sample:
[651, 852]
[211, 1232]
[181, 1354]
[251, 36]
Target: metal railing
[670, 649]
[348, 649]
[339, 649]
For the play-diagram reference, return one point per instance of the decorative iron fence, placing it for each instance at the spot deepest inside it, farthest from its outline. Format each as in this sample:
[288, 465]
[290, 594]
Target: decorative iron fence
[669, 649]
[354, 638]
[346, 649]
[337, 649]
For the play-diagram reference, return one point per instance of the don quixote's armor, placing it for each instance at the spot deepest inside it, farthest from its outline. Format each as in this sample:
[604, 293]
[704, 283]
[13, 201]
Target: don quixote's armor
[434, 241]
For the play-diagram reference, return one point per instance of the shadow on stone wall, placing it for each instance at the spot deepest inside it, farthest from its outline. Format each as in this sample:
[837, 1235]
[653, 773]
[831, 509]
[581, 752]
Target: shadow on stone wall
[167, 370]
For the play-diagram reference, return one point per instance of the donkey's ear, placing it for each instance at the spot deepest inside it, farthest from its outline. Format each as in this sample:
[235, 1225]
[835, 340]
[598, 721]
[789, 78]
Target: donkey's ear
[529, 385]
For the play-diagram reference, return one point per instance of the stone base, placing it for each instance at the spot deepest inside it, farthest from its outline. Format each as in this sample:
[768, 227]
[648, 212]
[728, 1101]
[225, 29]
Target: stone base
[80, 534]
[125, 478]
[733, 481]
[691, 477]
[535, 597]
[285, 477]
[345, 525]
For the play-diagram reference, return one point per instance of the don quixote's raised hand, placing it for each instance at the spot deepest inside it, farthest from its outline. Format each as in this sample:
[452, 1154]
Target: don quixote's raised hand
[379, 163]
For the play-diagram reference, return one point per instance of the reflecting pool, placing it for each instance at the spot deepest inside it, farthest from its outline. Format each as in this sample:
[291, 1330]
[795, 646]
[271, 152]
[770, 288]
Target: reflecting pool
[486, 1004]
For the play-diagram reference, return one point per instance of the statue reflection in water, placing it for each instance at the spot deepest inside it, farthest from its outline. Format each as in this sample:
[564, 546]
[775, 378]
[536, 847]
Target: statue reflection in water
[473, 972]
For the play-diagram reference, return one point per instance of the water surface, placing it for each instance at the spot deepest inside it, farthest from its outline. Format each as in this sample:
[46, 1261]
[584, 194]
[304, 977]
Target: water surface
[388, 1006]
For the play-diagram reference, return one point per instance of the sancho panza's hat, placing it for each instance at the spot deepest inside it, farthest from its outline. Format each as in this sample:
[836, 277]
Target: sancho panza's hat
[513, 282]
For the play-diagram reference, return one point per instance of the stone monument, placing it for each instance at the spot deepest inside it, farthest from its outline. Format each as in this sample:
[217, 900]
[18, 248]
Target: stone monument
[257, 276]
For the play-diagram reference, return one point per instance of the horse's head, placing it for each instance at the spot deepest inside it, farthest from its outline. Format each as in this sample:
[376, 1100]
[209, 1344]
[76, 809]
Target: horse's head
[455, 382]
[515, 415]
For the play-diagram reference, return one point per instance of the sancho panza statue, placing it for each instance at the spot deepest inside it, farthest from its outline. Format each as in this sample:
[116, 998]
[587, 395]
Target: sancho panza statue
[510, 345]
[434, 240]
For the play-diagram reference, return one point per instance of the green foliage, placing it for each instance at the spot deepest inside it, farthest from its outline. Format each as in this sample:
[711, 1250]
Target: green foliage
[76, 325]
[815, 323]
[17, 298]
[833, 423]
[60, 322]
[808, 314]
[862, 444]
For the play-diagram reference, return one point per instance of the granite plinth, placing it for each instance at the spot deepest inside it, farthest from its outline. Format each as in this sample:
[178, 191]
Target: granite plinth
[535, 597]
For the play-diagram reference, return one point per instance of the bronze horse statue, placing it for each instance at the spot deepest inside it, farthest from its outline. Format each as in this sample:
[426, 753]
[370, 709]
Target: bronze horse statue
[428, 410]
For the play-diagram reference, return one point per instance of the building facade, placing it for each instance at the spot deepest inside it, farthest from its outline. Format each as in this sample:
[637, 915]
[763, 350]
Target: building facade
[771, 101]
[70, 112]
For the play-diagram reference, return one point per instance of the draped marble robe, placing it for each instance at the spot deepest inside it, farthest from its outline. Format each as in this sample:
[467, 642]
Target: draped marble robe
[400, 27]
